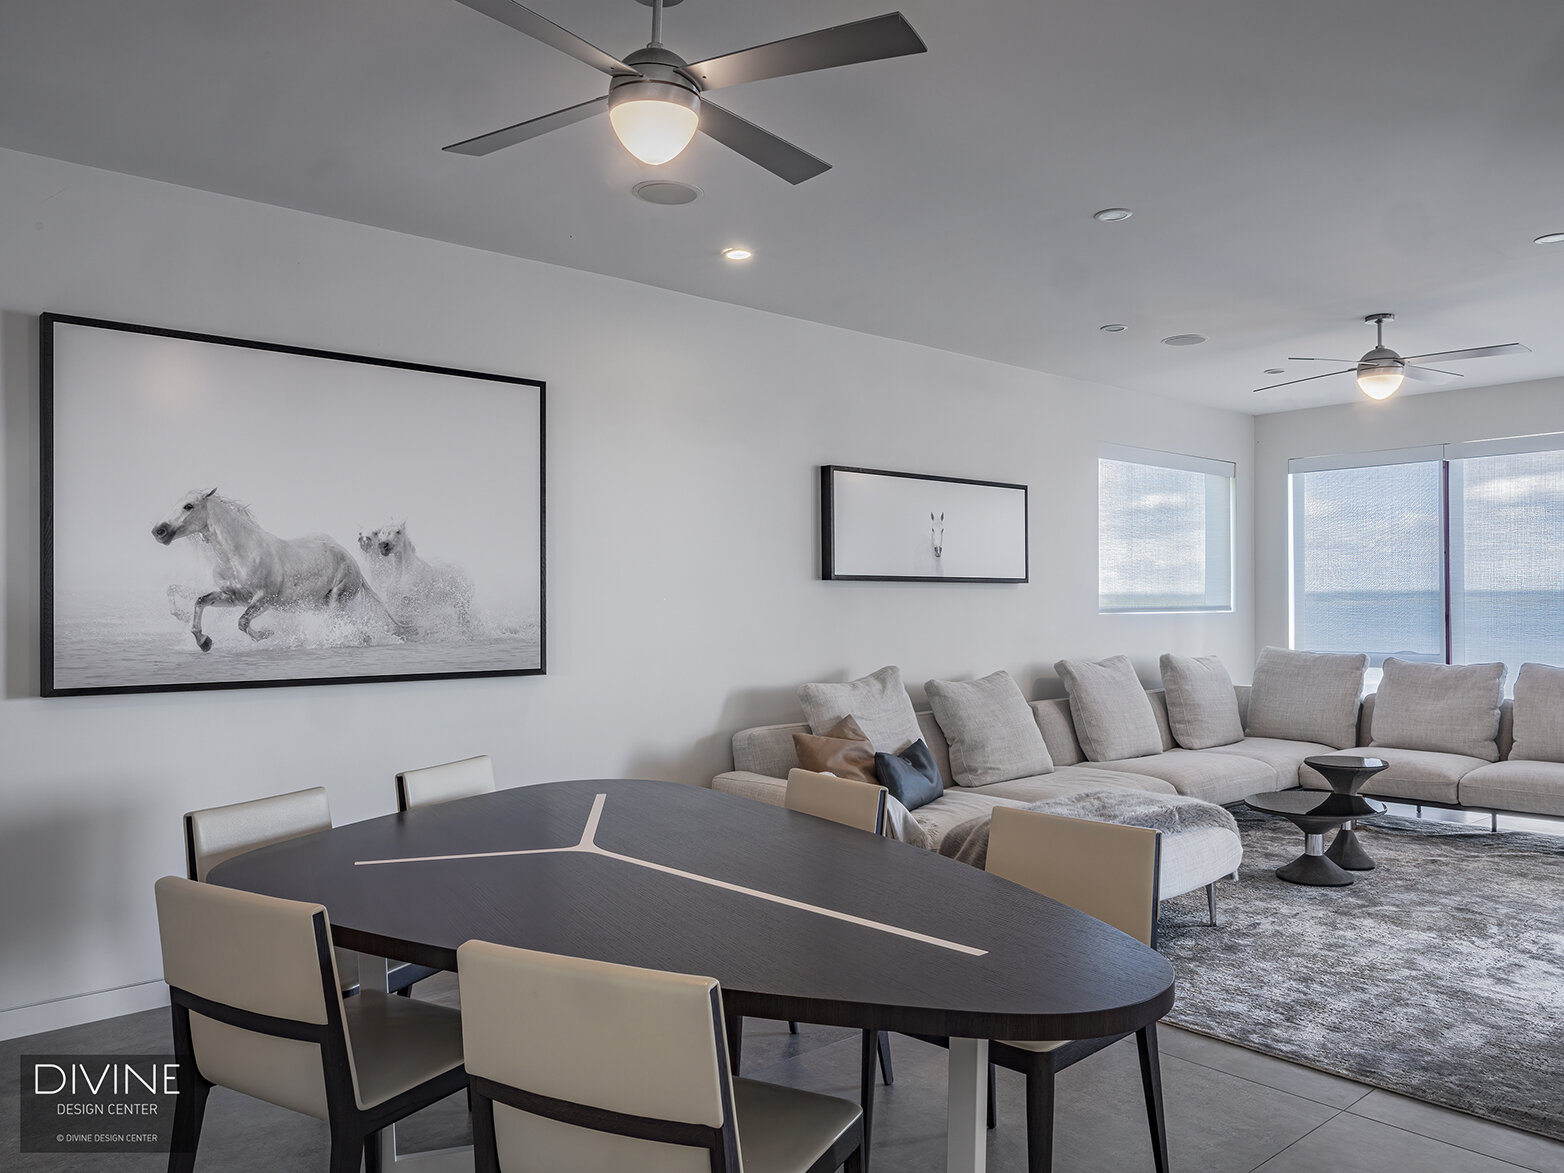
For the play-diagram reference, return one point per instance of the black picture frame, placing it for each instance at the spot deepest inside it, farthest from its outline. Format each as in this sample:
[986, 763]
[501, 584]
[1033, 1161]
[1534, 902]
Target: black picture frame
[842, 521]
[439, 620]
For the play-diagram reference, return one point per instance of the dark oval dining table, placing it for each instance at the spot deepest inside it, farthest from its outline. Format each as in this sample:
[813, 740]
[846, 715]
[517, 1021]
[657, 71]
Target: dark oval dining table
[797, 918]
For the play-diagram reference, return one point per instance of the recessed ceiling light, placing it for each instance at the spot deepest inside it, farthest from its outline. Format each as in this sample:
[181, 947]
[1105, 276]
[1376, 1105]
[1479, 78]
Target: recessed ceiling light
[1184, 340]
[1113, 328]
[737, 254]
[1275, 370]
[667, 192]
[1112, 215]
[1550, 238]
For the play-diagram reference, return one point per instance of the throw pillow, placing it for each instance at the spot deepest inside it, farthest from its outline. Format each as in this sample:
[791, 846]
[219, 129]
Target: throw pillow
[1307, 696]
[878, 701]
[1539, 714]
[992, 733]
[1113, 716]
[1449, 708]
[1202, 706]
[911, 776]
[844, 750]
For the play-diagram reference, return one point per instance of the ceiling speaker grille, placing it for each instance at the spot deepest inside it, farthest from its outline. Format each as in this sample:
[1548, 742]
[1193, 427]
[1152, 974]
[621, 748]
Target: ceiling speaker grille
[666, 192]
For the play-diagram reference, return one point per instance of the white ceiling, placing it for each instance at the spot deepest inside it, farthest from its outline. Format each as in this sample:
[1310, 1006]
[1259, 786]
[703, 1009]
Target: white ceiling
[1292, 165]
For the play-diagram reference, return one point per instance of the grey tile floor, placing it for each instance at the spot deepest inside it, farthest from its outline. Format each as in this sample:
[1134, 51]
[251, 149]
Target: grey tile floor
[1229, 1110]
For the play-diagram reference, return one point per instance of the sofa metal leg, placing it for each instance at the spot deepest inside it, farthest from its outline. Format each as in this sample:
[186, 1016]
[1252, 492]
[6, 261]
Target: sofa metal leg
[1495, 816]
[1211, 901]
[1419, 810]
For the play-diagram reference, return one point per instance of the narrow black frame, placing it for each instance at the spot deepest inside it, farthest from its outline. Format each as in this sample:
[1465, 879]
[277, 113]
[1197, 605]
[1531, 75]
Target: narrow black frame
[828, 527]
[46, 340]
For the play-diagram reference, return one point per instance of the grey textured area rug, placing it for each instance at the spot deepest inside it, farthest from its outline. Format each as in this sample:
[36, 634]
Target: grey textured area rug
[1438, 975]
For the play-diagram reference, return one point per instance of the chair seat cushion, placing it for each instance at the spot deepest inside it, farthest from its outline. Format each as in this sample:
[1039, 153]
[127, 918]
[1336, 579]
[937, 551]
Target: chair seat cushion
[784, 1130]
[399, 1043]
[1528, 787]
[1203, 774]
[1414, 774]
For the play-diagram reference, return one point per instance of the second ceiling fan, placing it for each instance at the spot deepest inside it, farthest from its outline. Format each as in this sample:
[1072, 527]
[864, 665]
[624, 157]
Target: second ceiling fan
[656, 100]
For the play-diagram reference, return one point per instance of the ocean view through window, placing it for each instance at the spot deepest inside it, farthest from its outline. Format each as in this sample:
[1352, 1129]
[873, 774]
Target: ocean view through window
[1164, 531]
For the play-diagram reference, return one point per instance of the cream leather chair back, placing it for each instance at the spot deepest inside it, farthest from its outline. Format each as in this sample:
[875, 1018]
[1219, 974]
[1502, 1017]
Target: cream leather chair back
[222, 832]
[595, 1036]
[256, 954]
[432, 784]
[1103, 869]
[842, 800]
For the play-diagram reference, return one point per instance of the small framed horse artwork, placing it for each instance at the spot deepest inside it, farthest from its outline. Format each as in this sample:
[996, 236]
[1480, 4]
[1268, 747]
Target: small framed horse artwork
[225, 513]
[881, 526]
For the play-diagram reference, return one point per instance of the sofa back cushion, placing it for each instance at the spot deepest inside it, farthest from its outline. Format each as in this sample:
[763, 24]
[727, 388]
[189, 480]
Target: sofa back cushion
[990, 728]
[878, 702]
[1447, 708]
[1539, 714]
[1306, 696]
[1113, 717]
[1202, 709]
[1053, 719]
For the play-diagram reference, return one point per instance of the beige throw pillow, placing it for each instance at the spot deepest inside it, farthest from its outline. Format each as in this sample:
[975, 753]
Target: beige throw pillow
[877, 701]
[1202, 706]
[844, 750]
[1448, 708]
[1307, 696]
[1539, 714]
[992, 733]
[1113, 716]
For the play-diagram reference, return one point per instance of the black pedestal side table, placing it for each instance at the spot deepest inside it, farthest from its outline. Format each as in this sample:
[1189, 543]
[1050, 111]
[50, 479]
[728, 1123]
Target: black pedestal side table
[1314, 813]
[1346, 774]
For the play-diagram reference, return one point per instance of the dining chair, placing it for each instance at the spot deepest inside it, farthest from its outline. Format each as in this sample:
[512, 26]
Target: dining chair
[579, 1065]
[219, 833]
[435, 784]
[429, 786]
[1107, 871]
[257, 1007]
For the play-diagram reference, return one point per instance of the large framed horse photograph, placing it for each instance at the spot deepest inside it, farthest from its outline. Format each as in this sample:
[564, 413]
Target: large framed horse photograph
[225, 513]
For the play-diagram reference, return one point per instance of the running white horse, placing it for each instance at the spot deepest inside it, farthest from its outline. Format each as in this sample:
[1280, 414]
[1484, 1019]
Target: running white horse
[257, 570]
[436, 596]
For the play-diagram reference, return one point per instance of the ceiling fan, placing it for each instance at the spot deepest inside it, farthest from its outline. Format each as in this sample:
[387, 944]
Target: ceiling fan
[656, 100]
[1381, 370]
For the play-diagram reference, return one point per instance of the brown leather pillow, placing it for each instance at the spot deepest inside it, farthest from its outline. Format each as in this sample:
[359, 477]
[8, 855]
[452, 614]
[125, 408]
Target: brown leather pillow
[844, 750]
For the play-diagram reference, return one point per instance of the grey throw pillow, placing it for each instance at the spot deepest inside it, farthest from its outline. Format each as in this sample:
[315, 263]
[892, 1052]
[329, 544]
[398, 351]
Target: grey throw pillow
[1113, 716]
[992, 733]
[1449, 708]
[1202, 707]
[878, 702]
[1307, 696]
[1539, 714]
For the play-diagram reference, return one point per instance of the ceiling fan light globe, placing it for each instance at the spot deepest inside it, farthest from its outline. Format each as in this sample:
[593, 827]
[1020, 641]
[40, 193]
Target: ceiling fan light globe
[1380, 382]
[654, 120]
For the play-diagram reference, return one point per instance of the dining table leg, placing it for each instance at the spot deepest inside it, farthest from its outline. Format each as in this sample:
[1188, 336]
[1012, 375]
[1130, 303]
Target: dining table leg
[966, 1126]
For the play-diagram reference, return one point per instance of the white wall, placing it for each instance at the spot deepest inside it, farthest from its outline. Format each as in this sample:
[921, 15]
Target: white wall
[684, 438]
[1445, 417]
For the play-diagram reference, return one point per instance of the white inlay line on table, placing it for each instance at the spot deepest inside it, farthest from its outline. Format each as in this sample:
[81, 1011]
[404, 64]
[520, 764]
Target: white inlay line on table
[588, 846]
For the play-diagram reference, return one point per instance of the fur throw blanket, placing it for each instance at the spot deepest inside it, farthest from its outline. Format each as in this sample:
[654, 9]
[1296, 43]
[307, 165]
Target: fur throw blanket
[1168, 813]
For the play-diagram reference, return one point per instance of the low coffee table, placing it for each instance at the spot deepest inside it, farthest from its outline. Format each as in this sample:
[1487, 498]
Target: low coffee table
[1346, 774]
[1314, 813]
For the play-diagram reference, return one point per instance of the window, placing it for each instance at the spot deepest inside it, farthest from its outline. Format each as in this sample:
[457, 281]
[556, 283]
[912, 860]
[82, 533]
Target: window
[1164, 531]
[1453, 553]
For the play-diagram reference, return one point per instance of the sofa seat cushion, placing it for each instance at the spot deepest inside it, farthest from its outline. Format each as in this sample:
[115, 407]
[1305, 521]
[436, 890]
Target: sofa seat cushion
[1202, 773]
[1075, 780]
[1414, 774]
[1528, 787]
[1285, 757]
[956, 806]
[1193, 859]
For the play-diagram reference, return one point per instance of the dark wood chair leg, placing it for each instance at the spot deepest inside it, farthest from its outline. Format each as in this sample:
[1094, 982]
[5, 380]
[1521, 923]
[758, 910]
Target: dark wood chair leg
[1151, 1079]
[866, 1088]
[735, 1041]
[855, 1162]
[1040, 1119]
[347, 1151]
[372, 1153]
[189, 1112]
[883, 1045]
[993, 1086]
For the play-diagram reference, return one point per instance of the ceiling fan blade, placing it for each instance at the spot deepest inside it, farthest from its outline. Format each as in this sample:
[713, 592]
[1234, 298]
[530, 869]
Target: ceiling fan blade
[1476, 352]
[1428, 374]
[541, 28]
[496, 140]
[776, 155]
[1310, 379]
[864, 40]
[1300, 358]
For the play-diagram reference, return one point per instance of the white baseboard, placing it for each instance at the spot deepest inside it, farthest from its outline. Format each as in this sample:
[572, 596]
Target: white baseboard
[83, 1008]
